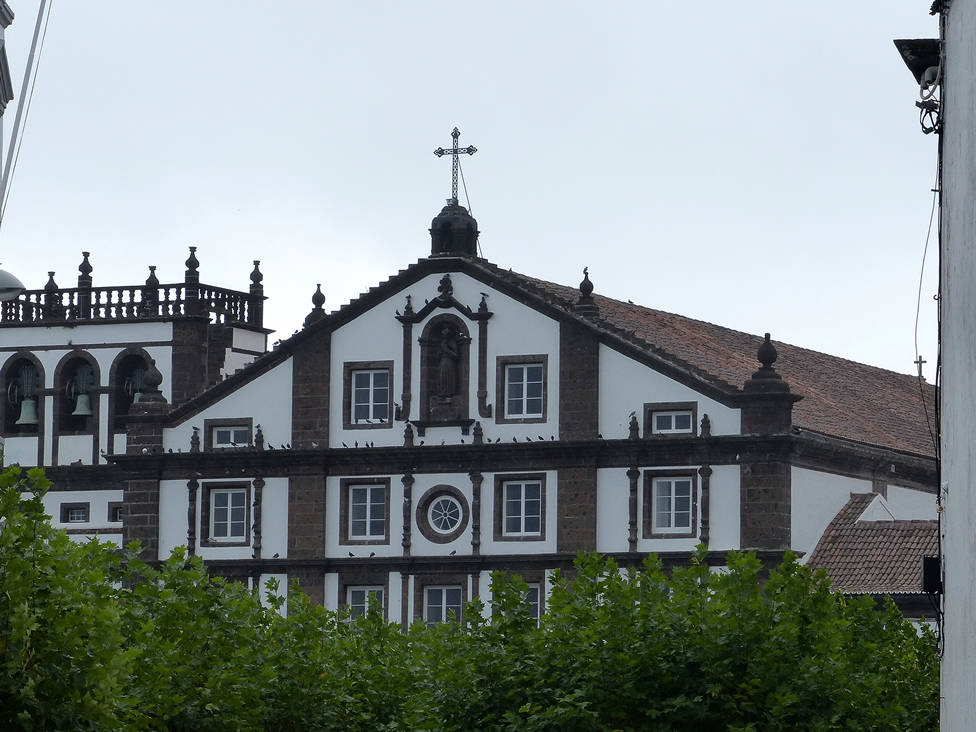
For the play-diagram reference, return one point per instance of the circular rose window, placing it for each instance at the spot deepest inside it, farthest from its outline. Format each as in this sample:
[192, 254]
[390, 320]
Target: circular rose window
[442, 514]
[445, 514]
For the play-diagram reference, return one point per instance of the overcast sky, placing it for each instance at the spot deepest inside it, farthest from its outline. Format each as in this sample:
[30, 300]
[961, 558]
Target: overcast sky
[755, 164]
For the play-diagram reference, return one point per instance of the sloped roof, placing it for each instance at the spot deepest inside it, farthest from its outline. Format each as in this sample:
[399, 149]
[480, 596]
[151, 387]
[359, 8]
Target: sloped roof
[841, 398]
[873, 557]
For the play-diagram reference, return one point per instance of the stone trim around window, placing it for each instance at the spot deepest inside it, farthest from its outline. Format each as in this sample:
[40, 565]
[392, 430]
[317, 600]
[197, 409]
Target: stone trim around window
[499, 507]
[206, 506]
[116, 512]
[352, 580]
[652, 408]
[423, 520]
[347, 393]
[423, 581]
[68, 510]
[501, 388]
[210, 424]
[345, 489]
[649, 530]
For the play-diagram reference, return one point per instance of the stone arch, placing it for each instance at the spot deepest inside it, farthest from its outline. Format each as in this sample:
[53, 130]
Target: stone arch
[76, 374]
[14, 385]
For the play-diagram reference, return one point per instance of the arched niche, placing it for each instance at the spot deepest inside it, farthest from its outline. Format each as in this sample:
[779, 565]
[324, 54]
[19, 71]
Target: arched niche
[445, 370]
[126, 383]
[77, 387]
[23, 381]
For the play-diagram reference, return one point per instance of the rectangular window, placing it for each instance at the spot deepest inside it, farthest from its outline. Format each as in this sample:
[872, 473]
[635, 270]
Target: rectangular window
[361, 598]
[367, 394]
[370, 396]
[367, 512]
[115, 512]
[672, 505]
[520, 507]
[670, 423]
[671, 418]
[75, 513]
[364, 511]
[522, 388]
[234, 436]
[523, 508]
[228, 515]
[441, 603]
[227, 434]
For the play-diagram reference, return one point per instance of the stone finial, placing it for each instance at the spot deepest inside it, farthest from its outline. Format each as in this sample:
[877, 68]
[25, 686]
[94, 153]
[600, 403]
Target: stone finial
[258, 438]
[634, 427]
[318, 300]
[256, 276]
[408, 308]
[195, 440]
[408, 435]
[767, 354]
[478, 434]
[706, 426]
[152, 280]
[153, 377]
[85, 268]
[586, 306]
[446, 288]
[192, 275]
[51, 285]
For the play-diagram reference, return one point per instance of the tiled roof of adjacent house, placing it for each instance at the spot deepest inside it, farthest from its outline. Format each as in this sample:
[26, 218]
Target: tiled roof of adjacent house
[841, 398]
[868, 557]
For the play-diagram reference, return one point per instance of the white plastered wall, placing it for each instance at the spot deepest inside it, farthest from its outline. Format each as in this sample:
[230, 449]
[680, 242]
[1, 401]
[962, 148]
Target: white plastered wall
[267, 399]
[513, 330]
[644, 385]
[816, 498]
[173, 504]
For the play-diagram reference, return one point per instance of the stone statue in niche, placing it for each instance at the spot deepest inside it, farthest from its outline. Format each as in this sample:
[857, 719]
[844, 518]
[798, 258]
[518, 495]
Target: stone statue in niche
[446, 380]
[448, 360]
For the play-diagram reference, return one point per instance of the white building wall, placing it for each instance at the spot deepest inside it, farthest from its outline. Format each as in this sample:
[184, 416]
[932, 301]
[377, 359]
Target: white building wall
[815, 499]
[266, 399]
[376, 335]
[643, 385]
[909, 504]
[724, 507]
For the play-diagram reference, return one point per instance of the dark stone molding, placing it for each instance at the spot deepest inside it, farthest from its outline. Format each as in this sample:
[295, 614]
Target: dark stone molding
[345, 488]
[498, 528]
[191, 516]
[579, 383]
[576, 497]
[469, 564]
[423, 505]
[476, 480]
[403, 413]
[258, 496]
[803, 450]
[633, 476]
[705, 473]
[650, 474]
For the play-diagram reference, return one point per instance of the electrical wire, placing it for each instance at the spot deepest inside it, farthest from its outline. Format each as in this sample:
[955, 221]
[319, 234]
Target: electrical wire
[30, 97]
[468, 201]
[918, 310]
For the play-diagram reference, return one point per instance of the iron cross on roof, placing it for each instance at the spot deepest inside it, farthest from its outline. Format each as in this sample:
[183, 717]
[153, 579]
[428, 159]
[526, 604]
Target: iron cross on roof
[454, 152]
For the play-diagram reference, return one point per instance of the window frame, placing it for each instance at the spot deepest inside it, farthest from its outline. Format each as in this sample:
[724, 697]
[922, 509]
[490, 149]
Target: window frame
[346, 486]
[349, 369]
[208, 490]
[354, 612]
[651, 479]
[67, 508]
[654, 408]
[444, 607]
[114, 506]
[423, 520]
[211, 425]
[501, 388]
[538, 607]
[500, 507]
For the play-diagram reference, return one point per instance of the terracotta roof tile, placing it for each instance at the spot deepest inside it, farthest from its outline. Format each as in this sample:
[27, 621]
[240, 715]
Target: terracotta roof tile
[841, 398]
[874, 556]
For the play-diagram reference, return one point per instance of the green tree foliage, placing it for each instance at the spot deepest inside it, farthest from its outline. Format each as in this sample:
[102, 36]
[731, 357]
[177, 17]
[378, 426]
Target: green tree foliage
[93, 638]
[63, 655]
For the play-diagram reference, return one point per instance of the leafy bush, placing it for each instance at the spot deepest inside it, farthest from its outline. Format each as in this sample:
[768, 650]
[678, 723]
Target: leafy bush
[94, 638]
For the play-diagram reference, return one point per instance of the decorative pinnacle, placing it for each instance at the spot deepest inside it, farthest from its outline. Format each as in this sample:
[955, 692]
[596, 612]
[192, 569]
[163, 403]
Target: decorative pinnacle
[454, 152]
[767, 354]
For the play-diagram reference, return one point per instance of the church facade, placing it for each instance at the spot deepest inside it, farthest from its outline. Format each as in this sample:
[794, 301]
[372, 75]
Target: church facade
[455, 420]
